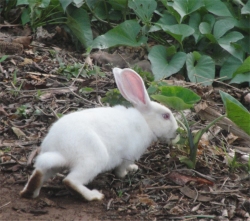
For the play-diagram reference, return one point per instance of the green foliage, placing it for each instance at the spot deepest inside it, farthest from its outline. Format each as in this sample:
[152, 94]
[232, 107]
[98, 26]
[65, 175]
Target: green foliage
[22, 111]
[236, 112]
[70, 70]
[165, 61]
[199, 38]
[176, 97]
[3, 58]
[123, 34]
[113, 97]
[41, 12]
[193, 141]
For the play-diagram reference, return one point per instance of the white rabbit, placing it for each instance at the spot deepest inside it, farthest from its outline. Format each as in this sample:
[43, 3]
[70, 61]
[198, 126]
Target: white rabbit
[95, 140]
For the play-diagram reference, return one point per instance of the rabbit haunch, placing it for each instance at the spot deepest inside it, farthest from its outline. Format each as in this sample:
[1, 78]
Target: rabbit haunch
[95, 140]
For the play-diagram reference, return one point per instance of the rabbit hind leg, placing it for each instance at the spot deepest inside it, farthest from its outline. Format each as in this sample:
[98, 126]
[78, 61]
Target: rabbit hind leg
[32, 188]
[47, 164]
[74, 181]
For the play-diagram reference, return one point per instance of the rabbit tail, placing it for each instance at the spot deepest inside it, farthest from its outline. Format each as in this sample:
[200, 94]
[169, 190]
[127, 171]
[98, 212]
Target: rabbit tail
[47, 164]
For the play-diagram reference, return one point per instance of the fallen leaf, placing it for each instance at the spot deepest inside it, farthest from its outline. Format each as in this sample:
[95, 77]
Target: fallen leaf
[194, 195]
[20, 134]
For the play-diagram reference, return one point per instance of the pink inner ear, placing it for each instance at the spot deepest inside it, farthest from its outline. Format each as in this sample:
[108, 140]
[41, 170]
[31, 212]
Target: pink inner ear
[134, 85]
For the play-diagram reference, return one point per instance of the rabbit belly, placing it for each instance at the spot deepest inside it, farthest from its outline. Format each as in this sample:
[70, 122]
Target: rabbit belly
[103, 136]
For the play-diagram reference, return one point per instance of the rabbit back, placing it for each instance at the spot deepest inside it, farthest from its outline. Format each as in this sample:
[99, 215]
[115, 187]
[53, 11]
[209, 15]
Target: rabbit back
[104, 135]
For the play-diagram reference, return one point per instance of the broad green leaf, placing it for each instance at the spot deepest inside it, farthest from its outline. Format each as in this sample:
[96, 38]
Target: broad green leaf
[167, 19]
[176, 97]
[171, 10]
[245, 44]
[162, 65]
[222, 26]
[217, 7]
[229, 67]
[78, 22]
[25, 17]
[178, 31]
[240, 78]
[209, 18]
[188, 96]
[226, 43]
[205, 28]
[22, 2]
[118, 4]
[194, 21]
[123, 34]
[172, 102]
[143, 9]
[200, 68]
[246, 8]
[245, 67]
[236, 112]
[186, 7]
[65, 3]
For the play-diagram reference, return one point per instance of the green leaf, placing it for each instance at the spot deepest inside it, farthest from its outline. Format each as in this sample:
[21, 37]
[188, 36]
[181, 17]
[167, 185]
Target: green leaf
[226, 43]
[178, 31]
[167, 19]
[222, 26]
[3, 58]
[236, 112]
[143, 9]
[123, 34]
[78, 22]
[245, 67]
[194, 21]
[190, 164]
[176, 97]
[161, 67]
[188, 96]
[172, 102]
[200, 68]
[186, 7]
[217, 7]
[205, 28]
[22, 2]
[246, 8]
[25, 17]
[209, 18]
[39, 3]
[240, 78]
[117, 4]
[229, 67]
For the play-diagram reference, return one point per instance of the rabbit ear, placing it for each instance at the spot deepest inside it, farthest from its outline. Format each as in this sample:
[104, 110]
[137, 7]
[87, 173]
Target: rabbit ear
[131, 86]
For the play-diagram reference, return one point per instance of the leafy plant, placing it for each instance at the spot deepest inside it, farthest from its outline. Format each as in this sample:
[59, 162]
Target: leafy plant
[22, 111]
[193, 141]
[236, 112]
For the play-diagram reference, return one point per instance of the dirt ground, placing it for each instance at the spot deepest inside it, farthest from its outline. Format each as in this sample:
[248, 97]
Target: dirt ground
[43, 81]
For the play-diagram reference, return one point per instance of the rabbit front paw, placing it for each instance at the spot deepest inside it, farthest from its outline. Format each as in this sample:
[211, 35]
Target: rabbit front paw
[132, 168]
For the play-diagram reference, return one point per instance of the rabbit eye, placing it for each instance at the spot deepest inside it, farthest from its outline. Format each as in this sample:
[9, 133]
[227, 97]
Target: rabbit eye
[166, 116]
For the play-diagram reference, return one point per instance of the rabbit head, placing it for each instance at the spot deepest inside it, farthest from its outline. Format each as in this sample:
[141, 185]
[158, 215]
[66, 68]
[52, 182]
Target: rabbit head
[159, 118]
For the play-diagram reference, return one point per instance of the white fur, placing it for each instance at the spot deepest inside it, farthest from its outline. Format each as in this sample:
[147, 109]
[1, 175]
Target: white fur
[95, 140]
